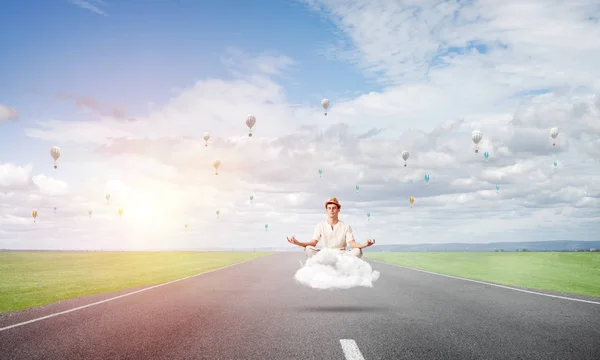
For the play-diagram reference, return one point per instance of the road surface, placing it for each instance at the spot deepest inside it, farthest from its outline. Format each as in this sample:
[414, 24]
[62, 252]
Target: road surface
[255, 310]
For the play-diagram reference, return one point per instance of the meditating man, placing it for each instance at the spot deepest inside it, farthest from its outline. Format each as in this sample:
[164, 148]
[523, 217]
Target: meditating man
[335, 234]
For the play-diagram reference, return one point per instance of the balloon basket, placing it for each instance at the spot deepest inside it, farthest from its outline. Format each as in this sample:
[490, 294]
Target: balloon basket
[476, 151]
[55, 166]
[249, 134]
[404, 165]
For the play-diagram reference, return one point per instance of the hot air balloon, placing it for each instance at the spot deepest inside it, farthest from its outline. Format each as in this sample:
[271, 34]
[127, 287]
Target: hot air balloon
[120, 211]
[555, 164]
[320, 172]
[107, 198]
[55, 209]
[325, 103]
[357, 187]
[55, 153]
[266, 226]
[34, 213]
[497, 187]
[405, 156]
[90, 213]
[185, 226]
[368, 216]
[206, 137]
[554, 134]
[250, 121]
[476, 136]
[411, 200]
[486, 155]
[216, 165]
[251, 198]
[426, 177]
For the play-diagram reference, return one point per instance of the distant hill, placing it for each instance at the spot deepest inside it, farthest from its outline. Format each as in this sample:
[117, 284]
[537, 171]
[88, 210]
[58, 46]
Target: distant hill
[561, 245]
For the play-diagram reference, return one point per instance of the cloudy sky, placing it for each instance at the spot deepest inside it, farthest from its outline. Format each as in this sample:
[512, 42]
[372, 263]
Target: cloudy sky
[127, 89]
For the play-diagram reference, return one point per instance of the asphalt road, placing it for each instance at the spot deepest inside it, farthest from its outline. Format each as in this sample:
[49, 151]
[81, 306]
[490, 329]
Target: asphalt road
[255, 310]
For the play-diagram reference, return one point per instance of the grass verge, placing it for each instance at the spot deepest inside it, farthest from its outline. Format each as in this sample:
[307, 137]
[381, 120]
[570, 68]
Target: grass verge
[30, 279]
[568, 272]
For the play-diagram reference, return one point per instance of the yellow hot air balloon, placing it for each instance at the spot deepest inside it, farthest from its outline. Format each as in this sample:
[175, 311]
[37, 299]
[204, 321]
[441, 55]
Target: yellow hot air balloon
[216, 165]
[411, 200]
[34, 214]
[120, 211]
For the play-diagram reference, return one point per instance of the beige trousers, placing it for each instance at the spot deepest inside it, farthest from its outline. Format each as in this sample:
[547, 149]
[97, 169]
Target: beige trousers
[311, 251]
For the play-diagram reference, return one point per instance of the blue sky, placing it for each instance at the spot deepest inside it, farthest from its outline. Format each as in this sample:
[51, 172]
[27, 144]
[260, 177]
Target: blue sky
[418, 81]
[142, 49]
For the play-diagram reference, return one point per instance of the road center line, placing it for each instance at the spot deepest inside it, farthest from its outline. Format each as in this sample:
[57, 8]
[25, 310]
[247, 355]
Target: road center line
[487, 283]
[351, 350]
[121, 296]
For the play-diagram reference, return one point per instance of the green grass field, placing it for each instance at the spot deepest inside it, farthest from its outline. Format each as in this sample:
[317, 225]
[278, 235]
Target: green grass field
[576, 273]
[30, 279]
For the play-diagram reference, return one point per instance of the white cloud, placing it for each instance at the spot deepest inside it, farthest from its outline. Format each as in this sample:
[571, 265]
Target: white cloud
[158, 169]
[91, 5]
[50, 186]
[14, 176]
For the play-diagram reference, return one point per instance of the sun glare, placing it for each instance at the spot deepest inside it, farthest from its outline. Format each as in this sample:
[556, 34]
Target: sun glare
[142, 208]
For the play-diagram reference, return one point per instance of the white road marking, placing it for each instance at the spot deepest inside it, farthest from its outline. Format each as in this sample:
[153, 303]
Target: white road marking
[121, 296]
[351, 350]
[497, 285]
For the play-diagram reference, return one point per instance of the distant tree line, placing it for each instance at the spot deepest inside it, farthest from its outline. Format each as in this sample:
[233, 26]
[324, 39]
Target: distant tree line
[526, 250]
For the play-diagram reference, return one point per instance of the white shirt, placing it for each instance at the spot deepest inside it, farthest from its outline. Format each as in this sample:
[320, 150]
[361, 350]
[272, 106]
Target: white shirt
[336, 238]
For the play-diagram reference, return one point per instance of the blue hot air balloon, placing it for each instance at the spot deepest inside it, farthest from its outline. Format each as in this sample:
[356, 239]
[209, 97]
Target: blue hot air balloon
[486, 155]
[426, 179]
[497, 187]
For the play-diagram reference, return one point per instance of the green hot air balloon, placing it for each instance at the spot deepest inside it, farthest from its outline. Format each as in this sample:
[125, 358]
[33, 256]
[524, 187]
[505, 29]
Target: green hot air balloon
[368, 216]
[186, 226]
[55, 209]
[555, 163]
[218, 212]
[266, 227]
[357, 187]
[320, 172]
[251, 198]
[90, 213]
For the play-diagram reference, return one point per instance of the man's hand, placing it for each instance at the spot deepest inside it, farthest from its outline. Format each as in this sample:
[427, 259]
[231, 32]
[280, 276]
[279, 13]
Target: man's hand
[293, 240]
[370, 242]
